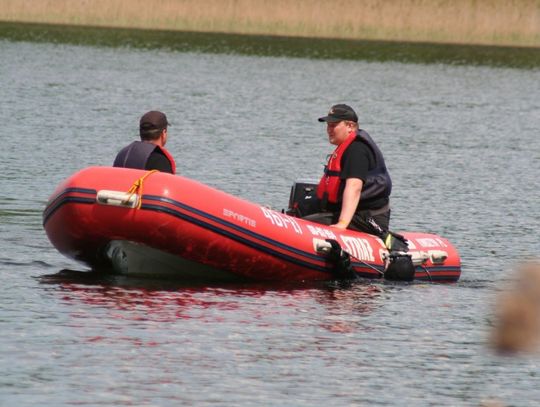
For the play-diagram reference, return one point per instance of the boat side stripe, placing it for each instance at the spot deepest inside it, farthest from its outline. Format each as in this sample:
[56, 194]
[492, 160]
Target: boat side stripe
[356, 264]
[223, 232]
[246, 231]
[232, 226]
[82, 191]
[61, 199]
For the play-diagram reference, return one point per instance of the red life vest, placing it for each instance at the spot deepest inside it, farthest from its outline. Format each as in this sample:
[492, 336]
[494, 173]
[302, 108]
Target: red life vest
[330, 181]
[170, 157]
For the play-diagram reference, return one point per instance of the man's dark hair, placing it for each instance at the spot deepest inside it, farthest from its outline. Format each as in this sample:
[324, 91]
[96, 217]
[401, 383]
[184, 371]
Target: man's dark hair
[152, 134]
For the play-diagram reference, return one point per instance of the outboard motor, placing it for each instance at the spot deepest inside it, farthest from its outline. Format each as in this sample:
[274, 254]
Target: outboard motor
[340, 259]
[303, 200]
[399, 267]
[399, 264]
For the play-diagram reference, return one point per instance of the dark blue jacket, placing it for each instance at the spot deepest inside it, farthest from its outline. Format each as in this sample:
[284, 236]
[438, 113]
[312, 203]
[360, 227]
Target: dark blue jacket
[137, 155]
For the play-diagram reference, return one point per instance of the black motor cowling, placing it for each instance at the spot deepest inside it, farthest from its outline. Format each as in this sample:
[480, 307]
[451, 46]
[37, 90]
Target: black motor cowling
[341, 260]
[400, 267]
[303, 199]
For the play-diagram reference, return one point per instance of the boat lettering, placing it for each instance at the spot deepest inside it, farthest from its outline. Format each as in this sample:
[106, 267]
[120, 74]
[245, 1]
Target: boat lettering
[322, 232]
[430, 242]
[282, 221]
[359, 248]
[240, 218]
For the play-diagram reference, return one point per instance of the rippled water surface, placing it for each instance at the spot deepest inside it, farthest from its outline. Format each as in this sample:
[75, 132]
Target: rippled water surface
[461, 143]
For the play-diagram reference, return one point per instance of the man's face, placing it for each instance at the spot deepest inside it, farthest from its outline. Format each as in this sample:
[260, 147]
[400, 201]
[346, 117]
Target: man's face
[338, 132]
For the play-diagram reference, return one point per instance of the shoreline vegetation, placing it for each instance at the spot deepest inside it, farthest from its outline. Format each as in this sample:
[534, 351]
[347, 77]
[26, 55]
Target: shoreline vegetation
[508, 23]
[274, 46]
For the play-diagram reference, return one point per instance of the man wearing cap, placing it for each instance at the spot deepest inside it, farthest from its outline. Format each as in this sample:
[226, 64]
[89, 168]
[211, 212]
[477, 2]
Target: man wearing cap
[354, 192]
[150, 152]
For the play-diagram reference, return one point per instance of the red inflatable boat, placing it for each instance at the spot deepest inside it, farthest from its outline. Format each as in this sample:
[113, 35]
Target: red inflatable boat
[151, 223]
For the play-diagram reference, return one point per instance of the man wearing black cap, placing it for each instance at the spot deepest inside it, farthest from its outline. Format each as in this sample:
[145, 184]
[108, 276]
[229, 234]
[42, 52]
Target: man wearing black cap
[150, 152]
[354, 192]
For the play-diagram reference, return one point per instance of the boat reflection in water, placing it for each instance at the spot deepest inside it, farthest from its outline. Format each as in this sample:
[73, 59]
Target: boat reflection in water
[163, 301]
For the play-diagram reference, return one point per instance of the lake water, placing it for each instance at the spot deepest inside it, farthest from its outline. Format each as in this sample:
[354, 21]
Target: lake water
[462, 145]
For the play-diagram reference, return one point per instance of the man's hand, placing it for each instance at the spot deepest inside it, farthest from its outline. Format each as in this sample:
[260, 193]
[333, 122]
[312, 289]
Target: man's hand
[340, 225]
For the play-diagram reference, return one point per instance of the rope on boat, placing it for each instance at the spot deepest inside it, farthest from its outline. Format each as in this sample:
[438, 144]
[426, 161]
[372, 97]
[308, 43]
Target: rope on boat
[137, 188]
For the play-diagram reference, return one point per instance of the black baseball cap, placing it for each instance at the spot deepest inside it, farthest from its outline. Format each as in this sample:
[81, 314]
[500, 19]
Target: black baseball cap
[153, 120]
[339, 113]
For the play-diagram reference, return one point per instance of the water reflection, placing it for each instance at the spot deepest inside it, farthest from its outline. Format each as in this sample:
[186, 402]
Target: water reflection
[161, 300]
[259, 45]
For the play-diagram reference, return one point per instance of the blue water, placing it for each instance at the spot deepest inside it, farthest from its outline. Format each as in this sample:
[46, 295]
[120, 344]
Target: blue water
[462, 147]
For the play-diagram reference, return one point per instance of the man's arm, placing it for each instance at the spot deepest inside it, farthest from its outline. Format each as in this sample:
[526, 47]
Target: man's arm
[351, 197]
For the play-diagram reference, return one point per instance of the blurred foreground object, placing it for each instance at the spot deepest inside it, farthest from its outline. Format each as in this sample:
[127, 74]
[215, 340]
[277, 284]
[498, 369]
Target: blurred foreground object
[517, 325]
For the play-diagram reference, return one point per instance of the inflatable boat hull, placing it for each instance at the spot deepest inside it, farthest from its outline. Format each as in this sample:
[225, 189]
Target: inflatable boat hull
[191, 231]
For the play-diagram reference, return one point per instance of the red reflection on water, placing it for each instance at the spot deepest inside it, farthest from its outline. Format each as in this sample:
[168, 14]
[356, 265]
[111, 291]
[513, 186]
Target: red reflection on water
[142, 301]
[143, 304]
[344, 304]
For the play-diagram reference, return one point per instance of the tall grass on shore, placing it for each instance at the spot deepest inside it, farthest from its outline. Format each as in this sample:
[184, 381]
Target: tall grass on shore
[490, 22]
[267, 45]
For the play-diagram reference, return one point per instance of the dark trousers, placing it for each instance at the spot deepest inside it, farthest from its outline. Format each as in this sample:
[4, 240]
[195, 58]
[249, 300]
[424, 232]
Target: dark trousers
[362, 221]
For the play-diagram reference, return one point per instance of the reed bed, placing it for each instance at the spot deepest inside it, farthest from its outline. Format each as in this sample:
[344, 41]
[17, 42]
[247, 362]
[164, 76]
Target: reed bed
[490, 22]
